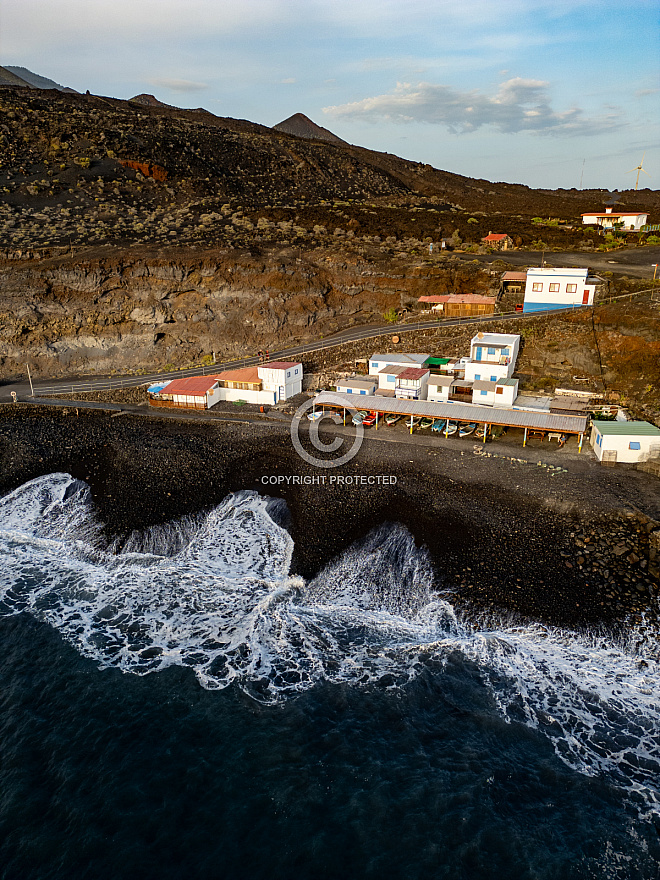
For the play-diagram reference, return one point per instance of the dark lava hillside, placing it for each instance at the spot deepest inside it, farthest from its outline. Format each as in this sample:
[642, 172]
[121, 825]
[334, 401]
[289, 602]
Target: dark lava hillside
[52, 143]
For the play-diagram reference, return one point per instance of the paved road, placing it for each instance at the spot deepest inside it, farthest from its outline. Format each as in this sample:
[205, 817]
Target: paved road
[637, 262]
[70, 386]
[99, 383]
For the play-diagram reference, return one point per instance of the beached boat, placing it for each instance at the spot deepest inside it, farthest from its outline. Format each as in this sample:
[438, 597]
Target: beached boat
[391, 419]
[426, 422]
[416, 420]
[439, 425]
[466, 430]
[480, 432]
[451, 428]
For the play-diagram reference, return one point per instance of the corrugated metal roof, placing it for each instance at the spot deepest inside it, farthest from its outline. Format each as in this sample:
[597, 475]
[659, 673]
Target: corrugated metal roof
[192, 386]
[495, 236]
[509, 382]
[414, 373]
[245, 374]
[402, 358]
[441, 381]
[630, 429]
[484, 385]
[514, 276]
[281, 365]
[393, 370]
[568, 404]
[461, 412]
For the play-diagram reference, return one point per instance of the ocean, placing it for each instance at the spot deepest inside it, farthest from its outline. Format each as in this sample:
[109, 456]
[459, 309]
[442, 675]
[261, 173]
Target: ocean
[179, 704]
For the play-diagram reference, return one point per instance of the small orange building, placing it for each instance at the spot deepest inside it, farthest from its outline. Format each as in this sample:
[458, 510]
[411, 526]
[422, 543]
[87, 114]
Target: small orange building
[498, 241]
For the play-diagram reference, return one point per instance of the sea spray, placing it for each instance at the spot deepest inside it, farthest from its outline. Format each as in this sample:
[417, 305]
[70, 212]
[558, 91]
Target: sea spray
[215, 593]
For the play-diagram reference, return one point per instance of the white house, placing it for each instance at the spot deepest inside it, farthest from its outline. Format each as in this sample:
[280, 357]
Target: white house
[550, 288]
[500, 393]
[282, 377]
[492, 357]
[387, 377]
[631, 221]
[412, 383]
[378, 361]
[357, 385]
[626, 442]
[439, 388]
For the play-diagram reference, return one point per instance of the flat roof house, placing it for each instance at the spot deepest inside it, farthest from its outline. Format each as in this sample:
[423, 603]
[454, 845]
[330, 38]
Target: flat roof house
[492, 357]
[631, 221]
[559, 288]
[624, 442]
[500, 393]
[357, 385]
[378, 361]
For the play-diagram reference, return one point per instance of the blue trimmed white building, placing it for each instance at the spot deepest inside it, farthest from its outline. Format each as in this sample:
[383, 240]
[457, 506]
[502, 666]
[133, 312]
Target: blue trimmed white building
[553, 288]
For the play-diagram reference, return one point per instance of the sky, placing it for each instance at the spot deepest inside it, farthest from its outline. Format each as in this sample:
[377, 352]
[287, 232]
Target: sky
[549, 93]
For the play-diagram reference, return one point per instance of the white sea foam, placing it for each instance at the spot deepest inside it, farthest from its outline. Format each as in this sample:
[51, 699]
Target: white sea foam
[215, 593]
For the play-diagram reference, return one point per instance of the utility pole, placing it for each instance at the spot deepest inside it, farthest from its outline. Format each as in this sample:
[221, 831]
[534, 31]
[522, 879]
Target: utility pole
[30, 378]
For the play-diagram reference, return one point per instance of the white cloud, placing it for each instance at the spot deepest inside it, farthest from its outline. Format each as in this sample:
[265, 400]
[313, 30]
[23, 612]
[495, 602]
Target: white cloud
[288, 81]
[519, 105]
[179, 85]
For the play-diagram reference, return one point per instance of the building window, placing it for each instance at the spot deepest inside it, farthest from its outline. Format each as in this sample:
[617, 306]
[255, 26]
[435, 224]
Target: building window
[491, 350]
[288, 375]
[571, 288]
[599, 439]
[505, 352]
[362, 391]
[349, 391]
[374, 366]
[537, 286]
[493, 378]
[634, 444]
[391, 378]
[554, 288]
[477, 376]
[499, 390]
[484, 393]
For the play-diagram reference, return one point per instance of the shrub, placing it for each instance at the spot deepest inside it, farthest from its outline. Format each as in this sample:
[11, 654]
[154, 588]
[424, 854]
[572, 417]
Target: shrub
[390, 316]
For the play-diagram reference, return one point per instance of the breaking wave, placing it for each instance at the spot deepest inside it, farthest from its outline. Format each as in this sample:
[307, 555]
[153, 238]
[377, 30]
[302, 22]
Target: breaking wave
[215, 593]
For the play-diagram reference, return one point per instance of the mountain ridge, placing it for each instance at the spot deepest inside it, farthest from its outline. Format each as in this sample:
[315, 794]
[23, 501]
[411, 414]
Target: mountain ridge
[302, 126]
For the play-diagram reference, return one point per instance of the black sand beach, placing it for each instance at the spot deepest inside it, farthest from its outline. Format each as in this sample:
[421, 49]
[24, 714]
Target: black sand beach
[495, 520]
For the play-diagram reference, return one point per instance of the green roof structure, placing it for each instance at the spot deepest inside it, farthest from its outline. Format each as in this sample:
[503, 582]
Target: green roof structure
[628, 429]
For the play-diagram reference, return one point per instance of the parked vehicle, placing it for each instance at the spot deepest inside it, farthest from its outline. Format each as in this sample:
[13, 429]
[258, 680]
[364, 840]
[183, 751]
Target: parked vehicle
[426, 422]
[466, 430]
[439, 425]
[359, 417]
[391, 419]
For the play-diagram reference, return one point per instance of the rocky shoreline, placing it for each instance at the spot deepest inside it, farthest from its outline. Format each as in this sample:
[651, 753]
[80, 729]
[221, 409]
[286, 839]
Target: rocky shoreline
[575, 545]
